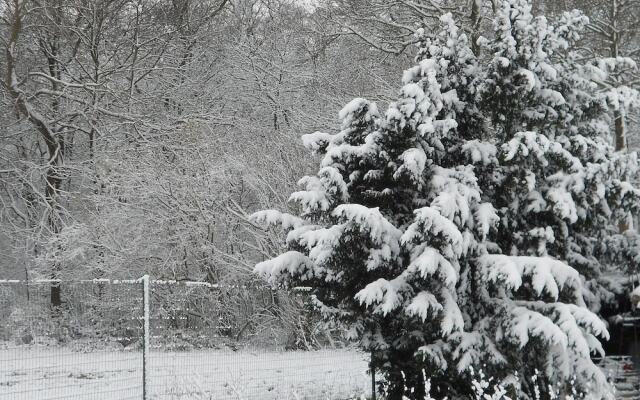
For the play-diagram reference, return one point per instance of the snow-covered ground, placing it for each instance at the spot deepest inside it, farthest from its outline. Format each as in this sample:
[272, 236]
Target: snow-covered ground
[47, 373]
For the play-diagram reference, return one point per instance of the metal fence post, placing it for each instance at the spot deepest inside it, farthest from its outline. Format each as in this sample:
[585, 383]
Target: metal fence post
[145, 330]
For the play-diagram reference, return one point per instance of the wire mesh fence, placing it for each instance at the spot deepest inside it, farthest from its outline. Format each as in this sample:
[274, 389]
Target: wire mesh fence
[202, 341]
[85, 348]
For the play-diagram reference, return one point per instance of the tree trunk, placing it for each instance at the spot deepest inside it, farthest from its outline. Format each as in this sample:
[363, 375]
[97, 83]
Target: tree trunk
[476, 18]
[53, 141]
[621, 136]
[53, 182]
[618, 115]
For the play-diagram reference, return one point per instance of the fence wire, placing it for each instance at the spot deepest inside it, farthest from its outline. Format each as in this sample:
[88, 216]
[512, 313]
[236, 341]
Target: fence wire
[206, 342]
[87, 348]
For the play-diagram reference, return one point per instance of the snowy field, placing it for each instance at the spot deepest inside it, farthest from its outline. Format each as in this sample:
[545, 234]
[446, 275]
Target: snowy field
[47, 374]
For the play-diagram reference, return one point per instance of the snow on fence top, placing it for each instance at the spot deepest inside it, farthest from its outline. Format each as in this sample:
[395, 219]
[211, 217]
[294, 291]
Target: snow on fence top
[137, 281]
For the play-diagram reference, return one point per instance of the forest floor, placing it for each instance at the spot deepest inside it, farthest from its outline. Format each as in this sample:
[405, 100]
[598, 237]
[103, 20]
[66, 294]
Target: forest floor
[51, 373]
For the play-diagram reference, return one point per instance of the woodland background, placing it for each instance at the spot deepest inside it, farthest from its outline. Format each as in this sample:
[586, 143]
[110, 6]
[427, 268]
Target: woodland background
[137, 135]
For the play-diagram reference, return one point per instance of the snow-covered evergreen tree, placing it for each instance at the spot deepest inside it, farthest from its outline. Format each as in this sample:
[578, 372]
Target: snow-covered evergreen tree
[563, 183]
[440, 231]
[560, 187]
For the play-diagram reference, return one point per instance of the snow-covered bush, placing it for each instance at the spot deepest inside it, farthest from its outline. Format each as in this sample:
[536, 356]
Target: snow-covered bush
[457, 228]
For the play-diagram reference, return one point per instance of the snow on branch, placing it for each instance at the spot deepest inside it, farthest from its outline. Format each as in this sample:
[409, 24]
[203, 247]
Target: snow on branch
[527, 143]
[547, 274]
[321, 191]
[413, 163]
[356, 110]
[475, 348]
[485, 217]
[540, 146]
[435, 352]
[292, 263]
[274, 217]
[383, 295]
[313, 198]
[429, 262]
[497, 268]
[452, 320]
[564, 312]
[429, 223]
[424, 304]
[479, 152]
[370, 221]
[321, 243]
[527, 323]
[316, 142]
